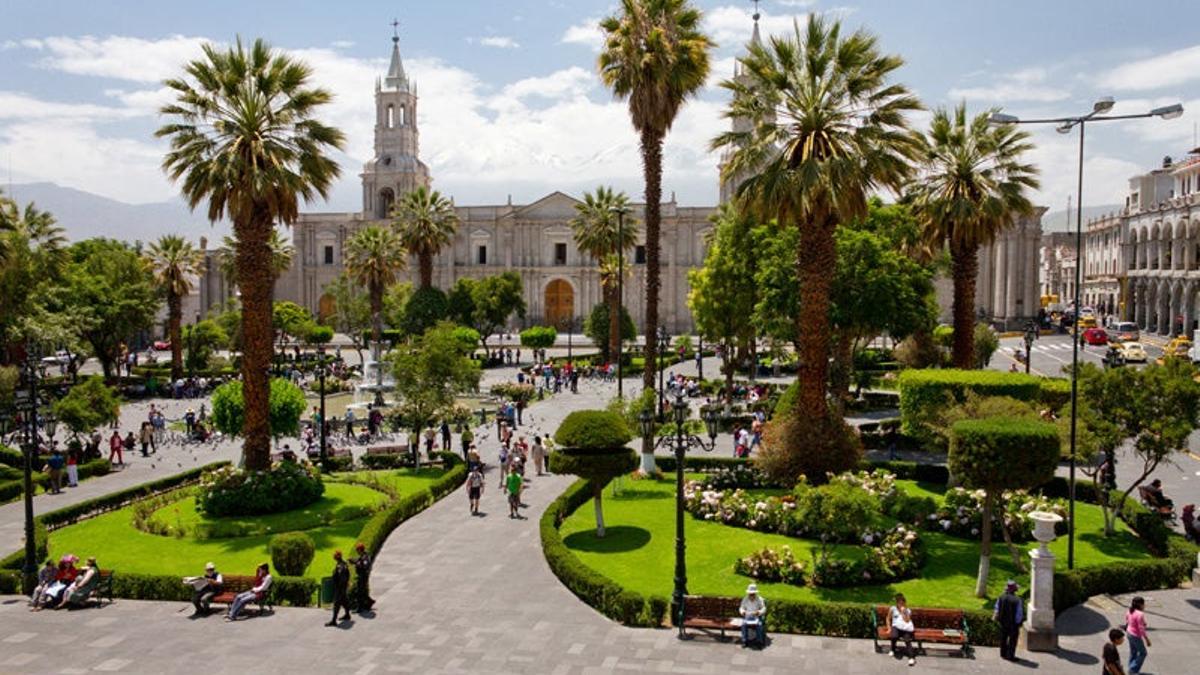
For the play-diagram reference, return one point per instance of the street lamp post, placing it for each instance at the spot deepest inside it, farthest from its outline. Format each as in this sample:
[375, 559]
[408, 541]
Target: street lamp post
[27, 403]
[620, 210]
[1031, 334]
[1064, 125]
[700, 358]
[680, 442]
[321, 368]
[663, 342]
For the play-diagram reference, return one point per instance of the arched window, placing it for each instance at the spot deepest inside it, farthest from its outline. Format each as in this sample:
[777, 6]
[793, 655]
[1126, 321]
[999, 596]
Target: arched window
[403, 115]
[391, 116]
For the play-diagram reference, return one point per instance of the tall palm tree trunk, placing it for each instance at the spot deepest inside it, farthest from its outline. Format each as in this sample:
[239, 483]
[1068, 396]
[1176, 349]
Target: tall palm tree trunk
[816, 256]
[652, 168]
[964, 263]
[425, 262]
[174, 318]
[614, 320]
[256, 281]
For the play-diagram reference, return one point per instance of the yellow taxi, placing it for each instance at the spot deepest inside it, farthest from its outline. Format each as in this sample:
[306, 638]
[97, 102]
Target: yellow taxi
[1177, 348]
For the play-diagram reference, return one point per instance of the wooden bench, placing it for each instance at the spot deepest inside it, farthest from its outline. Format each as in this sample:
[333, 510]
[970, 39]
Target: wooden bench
[237, 584]
[935, 626]
[709, 614]
[388, 450]
[102, 589]
[1150, 500]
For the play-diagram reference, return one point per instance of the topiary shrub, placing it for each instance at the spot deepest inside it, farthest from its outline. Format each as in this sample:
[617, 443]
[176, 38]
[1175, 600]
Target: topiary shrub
[287, 404]
[997, 454]
[235, 492]
[813, 447]
[837, 512]
[539, 337]
[924, 392]
[592, 446]
[292, 552]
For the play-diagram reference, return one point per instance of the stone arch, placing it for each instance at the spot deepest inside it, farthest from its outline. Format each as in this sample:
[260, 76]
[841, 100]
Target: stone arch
[558, 302]
[326, 307]
[387, 197]
[390, 117]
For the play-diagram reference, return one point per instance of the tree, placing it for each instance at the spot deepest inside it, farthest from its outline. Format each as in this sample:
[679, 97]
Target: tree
[430, 373]
[998, 454]
[826, 130]
[175, 262]
[88, 405]
[374, 255]
[655, 57]
[975, 183]
[725, 286]
[486, 304]
[426, 222]
[108, 286]
[285, 406]
[599, 234]
[281, 256]
[597, 324]
[1155, 409]
[591, 445]
[425, 308]
[289, 319]
[32, 260]
[539, 337]
[202, 339]
[244, 139]
[395, 302]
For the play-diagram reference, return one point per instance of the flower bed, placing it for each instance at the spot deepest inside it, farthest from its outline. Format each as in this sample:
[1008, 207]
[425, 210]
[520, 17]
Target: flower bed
[890, 556]
[236, 492]
[961, 513]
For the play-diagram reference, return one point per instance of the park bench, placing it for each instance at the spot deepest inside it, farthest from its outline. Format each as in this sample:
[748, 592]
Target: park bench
[388, 450]
[103, 589]
[935, 626]
[236, 584]
[1150, 500]
[709, 614]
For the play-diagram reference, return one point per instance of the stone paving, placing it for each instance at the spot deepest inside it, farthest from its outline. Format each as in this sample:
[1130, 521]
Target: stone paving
[463, 594]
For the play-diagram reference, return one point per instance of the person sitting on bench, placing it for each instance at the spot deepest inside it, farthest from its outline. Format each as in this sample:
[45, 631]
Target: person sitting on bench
[81, 589]
[203, 593]
[1154, 494]
[262, 583]
[900, 617]
[1189, 523]
[753, 610]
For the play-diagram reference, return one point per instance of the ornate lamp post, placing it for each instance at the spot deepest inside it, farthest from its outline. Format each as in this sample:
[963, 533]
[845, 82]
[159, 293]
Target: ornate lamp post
[680, 442]
[27, 404]
[620, 211]
[321, 371]
[1031, 334]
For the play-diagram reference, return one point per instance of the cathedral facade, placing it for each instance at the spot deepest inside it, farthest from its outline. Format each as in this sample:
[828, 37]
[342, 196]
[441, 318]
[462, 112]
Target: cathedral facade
[562, 284]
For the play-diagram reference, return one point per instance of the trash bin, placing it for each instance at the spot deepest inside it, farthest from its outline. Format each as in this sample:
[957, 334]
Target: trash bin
[326, 594]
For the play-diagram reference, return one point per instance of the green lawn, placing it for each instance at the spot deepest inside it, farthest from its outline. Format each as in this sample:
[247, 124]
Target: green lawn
[638, 552]
[118, 545]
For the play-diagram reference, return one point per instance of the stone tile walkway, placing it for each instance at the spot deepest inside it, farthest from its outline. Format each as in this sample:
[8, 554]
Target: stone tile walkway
[463, 594]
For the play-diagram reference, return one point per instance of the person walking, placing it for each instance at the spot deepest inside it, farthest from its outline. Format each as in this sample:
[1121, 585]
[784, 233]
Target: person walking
[146, 437]
[362, 578]
[539, 454]
[504, 465]
[445, 436]
[74, 456]
[513, 488]
[474, 488]
[1110, 656]
[1135, 630]
[54, 466]
[467, 437]
[1009, 612]
[115, 447]
[341, 589]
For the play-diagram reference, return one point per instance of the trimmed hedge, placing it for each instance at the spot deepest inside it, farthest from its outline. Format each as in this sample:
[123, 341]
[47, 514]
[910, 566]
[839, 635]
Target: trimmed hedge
[666, 463]
[924, 391]
[1002, 453]
[294, 591]
[592, 429]
[11, 457]
[381, 524]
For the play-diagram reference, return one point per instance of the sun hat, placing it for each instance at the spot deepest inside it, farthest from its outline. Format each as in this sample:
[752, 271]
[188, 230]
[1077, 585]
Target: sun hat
[1011, 585]
[752, 588]
[210, 566]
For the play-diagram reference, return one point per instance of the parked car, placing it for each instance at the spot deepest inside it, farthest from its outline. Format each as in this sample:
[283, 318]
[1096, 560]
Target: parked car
[1133, 352]
[1095, 336]
[1125, 331]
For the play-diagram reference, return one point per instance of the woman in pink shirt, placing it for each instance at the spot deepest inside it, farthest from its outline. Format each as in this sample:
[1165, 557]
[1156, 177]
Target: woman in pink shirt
[1135, 630]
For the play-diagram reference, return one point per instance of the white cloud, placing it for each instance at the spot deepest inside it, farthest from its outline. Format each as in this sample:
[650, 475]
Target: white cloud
[499, 42]
[1029, 84]
[567, 83]
[586, 33]
[1164, 70]
[796, 3]
[342, 44]
[19, 106]
[118, 57]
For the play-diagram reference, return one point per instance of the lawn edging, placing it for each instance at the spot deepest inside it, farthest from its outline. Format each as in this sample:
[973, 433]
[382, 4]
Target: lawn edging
[12, 489]
[381, 525]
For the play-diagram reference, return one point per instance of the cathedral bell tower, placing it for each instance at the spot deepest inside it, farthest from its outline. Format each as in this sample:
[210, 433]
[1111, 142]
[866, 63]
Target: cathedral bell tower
[740, 124]
[395, 169]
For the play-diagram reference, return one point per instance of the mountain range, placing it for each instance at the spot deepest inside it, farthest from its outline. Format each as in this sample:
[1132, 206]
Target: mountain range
[1056, 221]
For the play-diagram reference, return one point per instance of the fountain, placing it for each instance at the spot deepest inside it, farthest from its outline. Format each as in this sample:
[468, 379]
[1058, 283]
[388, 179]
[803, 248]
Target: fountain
[376, 381]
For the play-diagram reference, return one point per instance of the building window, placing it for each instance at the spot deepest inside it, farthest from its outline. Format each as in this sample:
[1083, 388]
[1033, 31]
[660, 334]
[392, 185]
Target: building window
[391, 116]
[481, 255]
[328, 255]
[639, 255]
[403, 115]
[560, 253]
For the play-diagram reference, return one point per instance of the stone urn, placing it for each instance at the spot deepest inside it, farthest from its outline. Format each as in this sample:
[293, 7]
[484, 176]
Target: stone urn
[1043, 527]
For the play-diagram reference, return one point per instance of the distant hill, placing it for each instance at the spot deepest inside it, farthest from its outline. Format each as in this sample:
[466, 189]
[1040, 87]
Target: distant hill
[83, 215]
[1056, 221]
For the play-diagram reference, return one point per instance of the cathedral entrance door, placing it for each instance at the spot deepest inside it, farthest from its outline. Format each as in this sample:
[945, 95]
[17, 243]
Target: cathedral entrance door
[560, 303]
[326, 307]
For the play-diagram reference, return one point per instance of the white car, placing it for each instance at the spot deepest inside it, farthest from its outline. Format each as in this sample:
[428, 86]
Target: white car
[1133, 352]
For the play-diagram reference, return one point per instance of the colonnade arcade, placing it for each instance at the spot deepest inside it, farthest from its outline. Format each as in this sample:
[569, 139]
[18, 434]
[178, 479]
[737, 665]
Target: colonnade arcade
[1164, 306]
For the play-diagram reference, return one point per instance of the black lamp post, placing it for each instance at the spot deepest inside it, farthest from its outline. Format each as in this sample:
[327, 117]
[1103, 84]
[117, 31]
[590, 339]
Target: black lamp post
[1031, 334]
[321, 368]
[700, 358]
[1064, 125]
[27, 403]
[680, 442]
[663, 342]
[620, 211]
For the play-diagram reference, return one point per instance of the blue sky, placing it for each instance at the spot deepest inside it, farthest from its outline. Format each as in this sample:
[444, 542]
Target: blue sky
[510, 103]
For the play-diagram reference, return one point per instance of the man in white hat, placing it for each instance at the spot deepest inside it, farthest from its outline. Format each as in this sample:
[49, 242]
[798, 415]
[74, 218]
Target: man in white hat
[203, 594]
[753, 611]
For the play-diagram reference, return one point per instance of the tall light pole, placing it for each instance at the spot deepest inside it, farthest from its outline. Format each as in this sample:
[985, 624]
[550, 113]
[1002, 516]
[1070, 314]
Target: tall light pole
[1064, 125]
[27, 404]
[663, 342]
[321, 368]
[620, 210]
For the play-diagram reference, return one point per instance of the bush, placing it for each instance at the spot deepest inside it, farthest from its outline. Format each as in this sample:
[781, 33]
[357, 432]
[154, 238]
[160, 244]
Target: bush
[771, 565]
[813, 447]
[837, 512]
[1002, 453]
[596, 328]
[377, 529]
[592, 429]
[292, 553]
[924, 392]
[394, 461]
[294, 591]
[236, 492]
[539, 337]
[599, 464]
[425, 308]
[287, 404]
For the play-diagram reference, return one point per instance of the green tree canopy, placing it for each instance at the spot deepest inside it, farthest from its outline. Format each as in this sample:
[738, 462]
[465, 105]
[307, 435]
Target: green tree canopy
[88, 405]
[201, 340]
[430, 373]
[287, 404]
[487, 304]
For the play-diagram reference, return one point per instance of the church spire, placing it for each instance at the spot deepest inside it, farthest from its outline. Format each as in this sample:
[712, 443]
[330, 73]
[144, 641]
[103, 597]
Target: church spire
[396, 79]
[754, 38]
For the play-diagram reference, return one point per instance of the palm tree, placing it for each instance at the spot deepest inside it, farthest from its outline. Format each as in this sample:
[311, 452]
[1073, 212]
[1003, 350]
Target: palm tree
[655, 56]
[281, 256]
[244, 139]
[596, 233]
[827, 129]
[373, 257]
[975, 184]
[426, 222]
[174, 262]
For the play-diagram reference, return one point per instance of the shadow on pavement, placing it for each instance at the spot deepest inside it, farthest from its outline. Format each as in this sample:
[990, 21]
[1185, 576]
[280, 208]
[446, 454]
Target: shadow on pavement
[1081, 620]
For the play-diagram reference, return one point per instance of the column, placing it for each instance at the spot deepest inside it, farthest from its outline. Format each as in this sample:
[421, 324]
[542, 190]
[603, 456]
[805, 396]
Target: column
[1039, 631]
[1188, 302]
[999, 272]
[1030, 292]
[983, 279]
[1164, 309]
